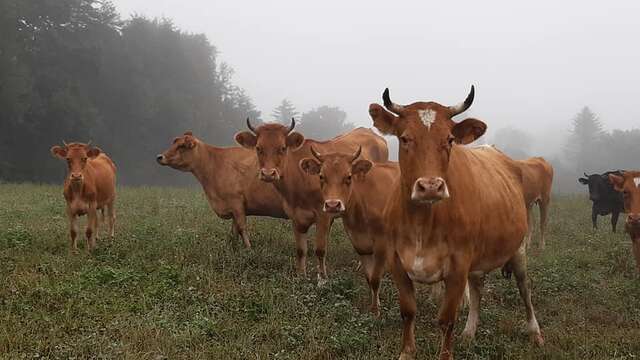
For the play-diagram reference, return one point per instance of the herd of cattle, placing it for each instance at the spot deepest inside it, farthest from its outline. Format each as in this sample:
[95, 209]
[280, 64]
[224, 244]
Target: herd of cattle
[443, 213]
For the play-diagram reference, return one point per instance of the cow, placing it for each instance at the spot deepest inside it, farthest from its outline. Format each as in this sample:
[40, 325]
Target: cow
[90, 185]
[628, 184]
[455, 214]
[605, 199]
[357, 190]
[229, 181]
[537, 176]
[279, 150]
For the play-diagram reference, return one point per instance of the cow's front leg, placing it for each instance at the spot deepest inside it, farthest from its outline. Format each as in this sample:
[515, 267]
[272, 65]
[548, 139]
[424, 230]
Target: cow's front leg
[408, 309]
[455, 284]
[92, 228]
[323, 227]
[614, 220]
[73, 231]
[594, 217]
[301, 249]
[476, 283]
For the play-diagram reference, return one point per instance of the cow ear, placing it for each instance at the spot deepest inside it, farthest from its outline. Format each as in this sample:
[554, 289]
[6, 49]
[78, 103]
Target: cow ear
[361, 166]
[188, 133]
[247, 139]
[583, 181]
[383, 120]
[94, 152]
[617, 182]
[295, 140]
[468, 130]
[310, 166]
[189, 141]
[59, 152]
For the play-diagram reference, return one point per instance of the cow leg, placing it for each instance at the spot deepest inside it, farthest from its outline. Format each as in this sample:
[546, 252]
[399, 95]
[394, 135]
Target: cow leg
[529, 225]
[92, 228]
[408, 309]
[519, 265]
[614, 220]
[594, 217]
[111, 213]
[544, 213]
[454, 284]
[373, 271]
[323, 227]
[635, 244]
[240, 220]
[73, 232]
[476, 283]
[301, 250]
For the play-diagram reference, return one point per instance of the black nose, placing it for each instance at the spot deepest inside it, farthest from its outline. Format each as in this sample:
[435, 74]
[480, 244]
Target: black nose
[159, 157]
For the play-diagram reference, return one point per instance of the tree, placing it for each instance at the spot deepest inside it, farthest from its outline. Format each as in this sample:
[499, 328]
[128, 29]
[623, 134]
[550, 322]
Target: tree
[324, 123]
[285, 112]
[514, 142]
[584, 142]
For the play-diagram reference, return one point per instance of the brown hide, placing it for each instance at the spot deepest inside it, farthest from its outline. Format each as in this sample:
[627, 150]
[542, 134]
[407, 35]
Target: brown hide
[629, 185]
[537, 177]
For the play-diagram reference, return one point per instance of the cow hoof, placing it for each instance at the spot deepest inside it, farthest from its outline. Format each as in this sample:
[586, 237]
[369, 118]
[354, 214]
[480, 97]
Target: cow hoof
[375, 312]
[322, 281]
[537, 339]
[407, 356]
[468, 337]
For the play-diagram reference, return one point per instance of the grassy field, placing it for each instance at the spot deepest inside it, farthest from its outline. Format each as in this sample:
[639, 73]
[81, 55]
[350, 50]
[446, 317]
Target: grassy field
[172, 286]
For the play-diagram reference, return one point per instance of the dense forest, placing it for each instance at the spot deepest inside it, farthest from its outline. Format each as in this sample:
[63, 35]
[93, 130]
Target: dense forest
[73, 70]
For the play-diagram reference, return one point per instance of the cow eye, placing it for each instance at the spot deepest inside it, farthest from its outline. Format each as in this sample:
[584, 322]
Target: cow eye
[451, 139]
[84, 159]
[405, 140]
[347, 180]
[282, 150]
[260, 150]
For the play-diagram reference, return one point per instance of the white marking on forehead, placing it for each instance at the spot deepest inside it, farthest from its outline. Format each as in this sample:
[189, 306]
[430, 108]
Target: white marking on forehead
[427, 117]
[637, 181]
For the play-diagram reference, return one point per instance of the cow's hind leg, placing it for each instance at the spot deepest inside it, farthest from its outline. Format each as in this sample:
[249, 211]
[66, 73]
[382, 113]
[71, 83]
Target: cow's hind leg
[323, 227]
[111, 213]
[373, 271]
[408, 309]
[519, 265]
[544, 214]
[476, 283]
[92, 228]
[594, 217]
[240, 221]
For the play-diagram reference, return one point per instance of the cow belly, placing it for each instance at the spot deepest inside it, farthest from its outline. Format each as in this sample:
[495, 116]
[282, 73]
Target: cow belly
[361, 241]
[422, 266]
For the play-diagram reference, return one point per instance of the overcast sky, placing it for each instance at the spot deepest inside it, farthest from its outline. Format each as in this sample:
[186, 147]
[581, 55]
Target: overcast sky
[534, 64]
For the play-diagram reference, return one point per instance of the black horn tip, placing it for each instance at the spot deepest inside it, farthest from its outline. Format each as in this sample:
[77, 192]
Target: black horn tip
[293, 124]
[470, 97]
[385, 97]
[250, 126]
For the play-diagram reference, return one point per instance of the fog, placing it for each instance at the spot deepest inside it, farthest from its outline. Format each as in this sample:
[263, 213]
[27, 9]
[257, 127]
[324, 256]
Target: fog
[534, 65]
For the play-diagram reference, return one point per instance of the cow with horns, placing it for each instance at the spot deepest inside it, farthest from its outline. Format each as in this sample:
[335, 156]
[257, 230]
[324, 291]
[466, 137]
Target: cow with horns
[357, 190]
[279, 151]
[455, 214]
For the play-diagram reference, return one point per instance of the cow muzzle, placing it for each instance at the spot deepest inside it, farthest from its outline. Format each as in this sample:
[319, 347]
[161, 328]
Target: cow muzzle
[160, 159]
[333, 206]
[633, 220]
[269, 175]
[76, 177]
[429, 190]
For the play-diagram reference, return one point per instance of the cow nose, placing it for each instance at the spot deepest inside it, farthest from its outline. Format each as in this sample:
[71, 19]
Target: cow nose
[269, 174]
[160, 158]
[429, 190]
[633, 219]
[333, 205]
[76, 176]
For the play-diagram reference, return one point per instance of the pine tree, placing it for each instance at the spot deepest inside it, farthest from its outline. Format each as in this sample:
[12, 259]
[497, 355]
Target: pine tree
[285, 112]
[583, 146]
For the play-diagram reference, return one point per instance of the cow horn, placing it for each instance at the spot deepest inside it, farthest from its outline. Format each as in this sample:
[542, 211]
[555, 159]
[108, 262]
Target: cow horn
[65, 143]
[293, 124]
[253, 130]
[463, 106]
[357, 154]
[316, 154]
[585, 175]
[89, 143]
[390, 105]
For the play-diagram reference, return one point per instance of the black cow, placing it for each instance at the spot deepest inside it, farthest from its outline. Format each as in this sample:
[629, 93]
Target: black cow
[605, 199]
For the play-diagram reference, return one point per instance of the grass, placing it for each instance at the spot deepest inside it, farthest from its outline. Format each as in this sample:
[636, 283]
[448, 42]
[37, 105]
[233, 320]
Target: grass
[173, 286]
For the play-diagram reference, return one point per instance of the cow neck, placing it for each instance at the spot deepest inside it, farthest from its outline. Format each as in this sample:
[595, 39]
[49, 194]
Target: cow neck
[292, 174]
[206, 166]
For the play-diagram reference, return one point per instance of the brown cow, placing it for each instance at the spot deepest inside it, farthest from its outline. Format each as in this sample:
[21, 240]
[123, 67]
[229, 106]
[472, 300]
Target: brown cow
[629, 185]
[90, 186]
[280, 150]
[357, 191]
[537, 178]
[455, 214]
[228, 178]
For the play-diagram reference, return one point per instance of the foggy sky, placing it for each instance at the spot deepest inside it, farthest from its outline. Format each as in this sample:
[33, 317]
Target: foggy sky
[534, 64]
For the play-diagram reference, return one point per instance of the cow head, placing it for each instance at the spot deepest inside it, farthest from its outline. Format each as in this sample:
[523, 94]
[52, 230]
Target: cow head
[337, 171]
[427, 134]
[599, 186]
[181, 154]
[629, 185]
[272, 142]
[76, 155]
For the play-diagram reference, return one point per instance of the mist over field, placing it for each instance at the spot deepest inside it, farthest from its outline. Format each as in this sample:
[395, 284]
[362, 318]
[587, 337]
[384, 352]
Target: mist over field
[132, 74]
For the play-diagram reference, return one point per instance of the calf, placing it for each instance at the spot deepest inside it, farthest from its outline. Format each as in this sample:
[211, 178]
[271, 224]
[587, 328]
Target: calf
[628, 183]
[279, 151]
[537, 177]
[357, 190]
[228, 178]
[90, 185]
[605, 199]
